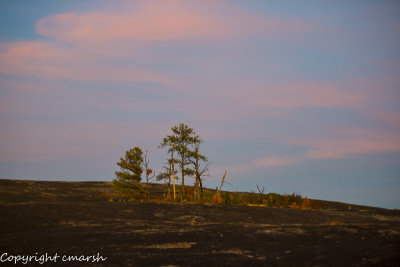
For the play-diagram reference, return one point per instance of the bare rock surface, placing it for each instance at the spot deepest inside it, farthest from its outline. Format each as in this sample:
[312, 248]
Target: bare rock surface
[71, 218]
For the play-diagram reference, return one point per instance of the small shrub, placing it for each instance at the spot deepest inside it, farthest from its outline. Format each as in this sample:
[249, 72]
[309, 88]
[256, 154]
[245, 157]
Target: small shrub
[252, 198]
[228, 198]
[207, 196]
[295, 206]
[306, 204]
[237, 199]
[216, 198]
[157, 198]
[178, 197]
[189, 192]
[293, 199]
[349, 208]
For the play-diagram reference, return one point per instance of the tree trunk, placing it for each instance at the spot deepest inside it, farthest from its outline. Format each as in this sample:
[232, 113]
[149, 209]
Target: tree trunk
[147, 181]
[196, 188]
[201, 186]
[169, 180]
[183, 176]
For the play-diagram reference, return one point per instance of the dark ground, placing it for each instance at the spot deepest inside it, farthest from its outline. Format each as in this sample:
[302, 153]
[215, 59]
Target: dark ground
[70, 218]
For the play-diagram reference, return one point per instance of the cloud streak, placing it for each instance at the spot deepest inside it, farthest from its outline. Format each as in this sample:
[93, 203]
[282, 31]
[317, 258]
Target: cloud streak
[162, 21]
[41, 142]
[355, 142]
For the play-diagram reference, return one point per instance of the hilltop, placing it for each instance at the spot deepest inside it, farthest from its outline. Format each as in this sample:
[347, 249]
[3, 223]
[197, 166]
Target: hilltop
[72, 218]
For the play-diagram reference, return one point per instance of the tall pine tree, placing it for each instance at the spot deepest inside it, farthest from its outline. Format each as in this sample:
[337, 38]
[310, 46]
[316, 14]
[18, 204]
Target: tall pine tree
[182, 138]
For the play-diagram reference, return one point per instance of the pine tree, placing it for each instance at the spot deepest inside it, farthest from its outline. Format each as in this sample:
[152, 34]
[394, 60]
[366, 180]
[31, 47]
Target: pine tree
[128, 179]
[182, 138]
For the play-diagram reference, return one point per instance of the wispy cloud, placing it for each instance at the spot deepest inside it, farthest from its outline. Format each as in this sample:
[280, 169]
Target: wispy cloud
[257, 164]
[348, 143]
[52, 60]
[164, 20]
[295, 94]
[41, 142]
[390, 117]
[345, 143]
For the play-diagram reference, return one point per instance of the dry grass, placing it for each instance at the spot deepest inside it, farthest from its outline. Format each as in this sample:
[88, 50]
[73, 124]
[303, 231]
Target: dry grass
[216, 197]
[335, 223]
[169, 245]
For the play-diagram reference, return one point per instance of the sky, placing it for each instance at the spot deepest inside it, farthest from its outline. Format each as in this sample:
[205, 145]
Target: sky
[299, 97]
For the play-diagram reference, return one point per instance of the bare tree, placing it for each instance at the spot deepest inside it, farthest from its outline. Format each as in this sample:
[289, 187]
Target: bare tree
[196, 159]
[149, 172]
[261, 192]
[218, 197]
[222, 182]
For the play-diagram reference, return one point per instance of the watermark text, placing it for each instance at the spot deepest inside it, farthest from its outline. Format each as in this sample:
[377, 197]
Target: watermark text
[48, 258]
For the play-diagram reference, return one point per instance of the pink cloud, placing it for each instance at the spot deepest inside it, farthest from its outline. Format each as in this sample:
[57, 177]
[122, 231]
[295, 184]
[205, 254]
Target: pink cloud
[40, 142]
[164, 20]
[350, 143]
[53, 60]
[100, 37]
[266, 162]
[296, 94]
[390, 117]
[342, 144]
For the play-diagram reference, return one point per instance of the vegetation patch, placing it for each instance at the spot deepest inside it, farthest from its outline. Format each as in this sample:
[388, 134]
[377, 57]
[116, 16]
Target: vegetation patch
[187, 162]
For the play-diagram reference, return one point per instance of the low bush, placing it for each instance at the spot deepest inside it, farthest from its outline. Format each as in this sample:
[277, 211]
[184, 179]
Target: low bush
[207, 196]
[216, 198]
[273, 200]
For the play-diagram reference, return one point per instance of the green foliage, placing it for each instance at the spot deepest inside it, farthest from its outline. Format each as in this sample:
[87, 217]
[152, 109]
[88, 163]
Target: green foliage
[186, 143]
[127, 187]
[229, 199]
[181, 139]
[237, 198]
[167, 173]
[270, 200]
[275, 200]
[250, 198]
[163, 176]
[295, 199]
[128, 179]
[207, 196]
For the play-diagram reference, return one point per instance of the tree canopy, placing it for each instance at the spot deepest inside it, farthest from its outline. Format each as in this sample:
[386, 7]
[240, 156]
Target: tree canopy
[182, 137]
[129, 177]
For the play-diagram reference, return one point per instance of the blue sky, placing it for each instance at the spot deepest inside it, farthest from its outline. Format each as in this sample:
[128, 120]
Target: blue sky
[298, 97]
